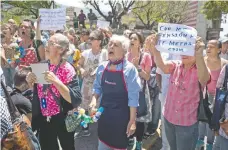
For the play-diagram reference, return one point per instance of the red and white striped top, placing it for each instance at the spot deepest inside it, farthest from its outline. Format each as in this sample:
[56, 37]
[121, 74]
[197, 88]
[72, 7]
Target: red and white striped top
[192, 14]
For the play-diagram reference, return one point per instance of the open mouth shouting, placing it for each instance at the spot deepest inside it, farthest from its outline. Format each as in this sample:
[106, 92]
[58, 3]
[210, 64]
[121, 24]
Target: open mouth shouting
[110, 52]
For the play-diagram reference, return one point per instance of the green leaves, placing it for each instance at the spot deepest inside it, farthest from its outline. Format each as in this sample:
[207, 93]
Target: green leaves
[26, 8]
[160, 11]
[214, 9]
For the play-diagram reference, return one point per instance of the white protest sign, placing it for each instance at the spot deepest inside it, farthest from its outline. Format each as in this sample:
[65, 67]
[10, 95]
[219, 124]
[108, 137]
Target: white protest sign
[39, 69]
[102, 24]
[52, 19]
[176, 39]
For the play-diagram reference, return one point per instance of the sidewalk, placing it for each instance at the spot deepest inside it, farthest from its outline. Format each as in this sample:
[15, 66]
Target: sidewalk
[91, 142]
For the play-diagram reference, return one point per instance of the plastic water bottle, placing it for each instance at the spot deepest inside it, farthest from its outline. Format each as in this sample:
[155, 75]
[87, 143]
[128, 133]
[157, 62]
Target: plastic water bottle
[98, 114]
[84, 124]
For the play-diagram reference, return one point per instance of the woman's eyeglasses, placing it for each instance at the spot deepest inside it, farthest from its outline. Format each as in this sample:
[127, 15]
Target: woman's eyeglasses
[52, 44]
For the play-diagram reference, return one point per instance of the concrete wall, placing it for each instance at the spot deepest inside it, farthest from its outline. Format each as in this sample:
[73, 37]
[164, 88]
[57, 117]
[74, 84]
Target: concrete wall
[202, 23]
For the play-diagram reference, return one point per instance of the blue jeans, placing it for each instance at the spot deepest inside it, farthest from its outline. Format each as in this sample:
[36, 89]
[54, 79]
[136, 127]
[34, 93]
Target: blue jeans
[9, 76]
[156, 114]
[220, 143]
[165, 143]
[181, 137]
[204, 130]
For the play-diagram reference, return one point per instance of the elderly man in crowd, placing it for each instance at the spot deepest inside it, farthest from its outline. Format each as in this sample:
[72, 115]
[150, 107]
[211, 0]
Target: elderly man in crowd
[183, 96]
[118, 82]
[224, 48]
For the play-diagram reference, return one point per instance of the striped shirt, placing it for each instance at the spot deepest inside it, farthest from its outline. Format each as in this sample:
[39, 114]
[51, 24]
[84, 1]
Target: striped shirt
[183, 95]
[6, 124]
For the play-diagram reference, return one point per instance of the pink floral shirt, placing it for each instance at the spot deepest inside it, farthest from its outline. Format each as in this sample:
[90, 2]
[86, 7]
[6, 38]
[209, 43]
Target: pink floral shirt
[29, 58]
[65, 73]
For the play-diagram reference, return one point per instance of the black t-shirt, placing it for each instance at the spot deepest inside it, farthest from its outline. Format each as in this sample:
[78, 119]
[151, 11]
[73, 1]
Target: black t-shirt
[22, 103]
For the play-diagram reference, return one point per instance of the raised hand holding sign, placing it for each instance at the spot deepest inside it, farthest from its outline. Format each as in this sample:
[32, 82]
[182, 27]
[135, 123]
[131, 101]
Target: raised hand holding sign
[176, 39]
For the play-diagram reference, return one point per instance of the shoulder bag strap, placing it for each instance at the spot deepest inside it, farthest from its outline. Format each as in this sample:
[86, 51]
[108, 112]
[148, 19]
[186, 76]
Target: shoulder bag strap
[12, 108]
[226, 77]
[201, 92]
[140, 59]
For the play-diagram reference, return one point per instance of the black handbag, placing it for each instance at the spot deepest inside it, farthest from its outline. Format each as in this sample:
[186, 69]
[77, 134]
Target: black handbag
[142, 108]
[204, 112]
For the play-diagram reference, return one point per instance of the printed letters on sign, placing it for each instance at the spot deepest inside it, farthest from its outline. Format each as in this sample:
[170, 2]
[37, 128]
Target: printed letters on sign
[176, 39]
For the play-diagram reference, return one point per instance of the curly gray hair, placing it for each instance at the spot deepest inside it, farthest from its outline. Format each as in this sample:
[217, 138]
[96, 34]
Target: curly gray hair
[125, 42]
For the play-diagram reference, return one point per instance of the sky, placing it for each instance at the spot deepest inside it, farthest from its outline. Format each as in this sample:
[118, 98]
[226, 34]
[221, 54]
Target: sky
[79, 4]
[106, 8]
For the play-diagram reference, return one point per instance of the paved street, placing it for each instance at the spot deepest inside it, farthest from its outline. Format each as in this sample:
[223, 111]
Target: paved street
[91, 142]
[88, 143]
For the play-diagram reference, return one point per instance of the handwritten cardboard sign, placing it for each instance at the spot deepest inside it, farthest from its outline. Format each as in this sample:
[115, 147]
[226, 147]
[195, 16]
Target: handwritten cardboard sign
[52, 19]
[176, 39]
[102, 24]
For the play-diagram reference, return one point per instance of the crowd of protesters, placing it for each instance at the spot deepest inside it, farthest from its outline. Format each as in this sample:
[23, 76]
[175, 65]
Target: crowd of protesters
[93, 68]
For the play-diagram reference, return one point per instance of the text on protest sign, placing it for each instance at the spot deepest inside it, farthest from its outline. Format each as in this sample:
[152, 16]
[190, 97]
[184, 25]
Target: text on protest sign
[52, 19]
[176, 39]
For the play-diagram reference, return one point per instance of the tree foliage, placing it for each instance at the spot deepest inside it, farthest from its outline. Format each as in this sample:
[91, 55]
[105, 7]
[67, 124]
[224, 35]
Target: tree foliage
[214, 9]
[160, 11]
[124, 6]
[26, 8]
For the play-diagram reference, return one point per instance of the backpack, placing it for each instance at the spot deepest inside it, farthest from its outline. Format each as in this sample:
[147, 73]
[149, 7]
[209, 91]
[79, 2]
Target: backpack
[22, 100]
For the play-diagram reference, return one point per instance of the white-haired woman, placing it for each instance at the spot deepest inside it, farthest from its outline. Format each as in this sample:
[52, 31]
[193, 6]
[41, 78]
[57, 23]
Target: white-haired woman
[52, 101]
[118, 84]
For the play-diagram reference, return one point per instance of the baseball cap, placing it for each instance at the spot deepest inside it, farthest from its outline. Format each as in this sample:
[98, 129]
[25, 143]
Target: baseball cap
[223, 39]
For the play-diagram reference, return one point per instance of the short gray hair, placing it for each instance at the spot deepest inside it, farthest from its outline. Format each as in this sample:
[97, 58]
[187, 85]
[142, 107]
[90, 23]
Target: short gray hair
[63, 42]
[125, 42]
[71, 31]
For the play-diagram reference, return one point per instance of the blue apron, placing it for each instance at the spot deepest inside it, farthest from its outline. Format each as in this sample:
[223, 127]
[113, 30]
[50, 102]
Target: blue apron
[112, 125]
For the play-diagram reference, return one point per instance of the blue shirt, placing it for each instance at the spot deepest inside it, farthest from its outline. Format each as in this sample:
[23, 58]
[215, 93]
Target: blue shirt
[131, 77]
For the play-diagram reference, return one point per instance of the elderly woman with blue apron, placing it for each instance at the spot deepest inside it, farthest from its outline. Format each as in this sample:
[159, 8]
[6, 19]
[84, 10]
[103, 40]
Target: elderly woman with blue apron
[117, 84]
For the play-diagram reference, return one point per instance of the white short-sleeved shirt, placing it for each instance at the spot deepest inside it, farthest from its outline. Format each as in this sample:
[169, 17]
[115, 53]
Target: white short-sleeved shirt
[165, 77]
